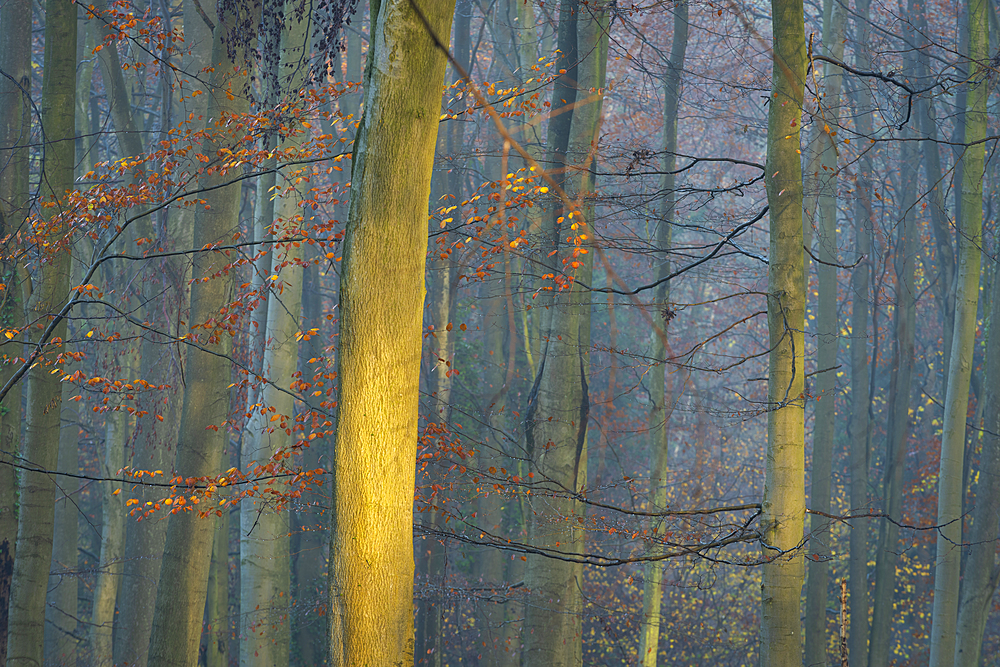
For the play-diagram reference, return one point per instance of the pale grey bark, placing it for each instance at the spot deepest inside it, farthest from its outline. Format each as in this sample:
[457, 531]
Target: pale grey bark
[182, 589]
[947, 565]
[660, 411]
[898, 427]
[821, 210]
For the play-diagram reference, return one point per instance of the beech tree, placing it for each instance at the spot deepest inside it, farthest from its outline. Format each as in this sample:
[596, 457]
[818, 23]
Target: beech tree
[545, 374]
[380, 323]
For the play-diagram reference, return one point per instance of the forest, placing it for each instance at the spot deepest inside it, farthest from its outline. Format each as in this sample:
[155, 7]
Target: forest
[499, 332]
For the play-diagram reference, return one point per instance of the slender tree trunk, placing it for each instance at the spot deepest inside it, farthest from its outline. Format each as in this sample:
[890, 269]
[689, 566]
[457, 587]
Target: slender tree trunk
[117, 428]
[860, 370]
[15, 135]
[944, 286]
[37, 490]
[901, 376]
[821, 210]
[217, 602]
[784, 487]
[947, 565]
[558, 407]
[180, 600]
[264, 557]
[981, 571]
[309, 533]
[160, 364]
[381, 321]
[659, 413]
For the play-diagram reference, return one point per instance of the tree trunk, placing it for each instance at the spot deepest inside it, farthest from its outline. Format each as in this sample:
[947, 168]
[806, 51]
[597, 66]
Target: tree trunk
[37, 490]
[309, 533]
[382, 296]
[559, 406]
[180, 600]
[659, 413]
[784, 487]
[981, 572]
[948, 561]
[15, 135]
[861, 303]
[217, 602]
[116, 432]
[264, 557]
[160, 364]
[61, 615]
[898, 428]
[821, 210]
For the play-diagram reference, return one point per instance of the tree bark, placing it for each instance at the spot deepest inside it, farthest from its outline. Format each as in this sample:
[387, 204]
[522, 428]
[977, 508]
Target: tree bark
[901, 376]
[264, 557]
[160, 364]
[180, 600]
[217, 603]
[558, 406]
[861, 304]
[981, 572]
[660, 412]
[15, 135]
[381, 298]
[947, 566]
[821, 211]
[37, 490]
[783, 505]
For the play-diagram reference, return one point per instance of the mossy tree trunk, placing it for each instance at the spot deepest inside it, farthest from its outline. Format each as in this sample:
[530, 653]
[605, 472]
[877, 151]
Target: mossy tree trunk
[559, 406]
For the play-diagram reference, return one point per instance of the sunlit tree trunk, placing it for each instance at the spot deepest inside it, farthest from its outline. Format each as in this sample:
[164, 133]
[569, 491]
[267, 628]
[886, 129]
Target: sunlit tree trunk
[37, 490]
[15, 135]
[784, 485]
[382, 296]
[947, 564]
[898, 427]
[652, 592]
[180, 600]
[821, 211]
[559, 406]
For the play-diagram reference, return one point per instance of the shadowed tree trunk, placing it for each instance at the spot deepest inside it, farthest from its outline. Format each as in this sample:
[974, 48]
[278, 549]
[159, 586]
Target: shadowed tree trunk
[160, 363]
[821, 211]
[180, 600]
[558, 407]
[898, 428]
[948, 559]
[37, 490]
[660, 411]
[15, 134]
